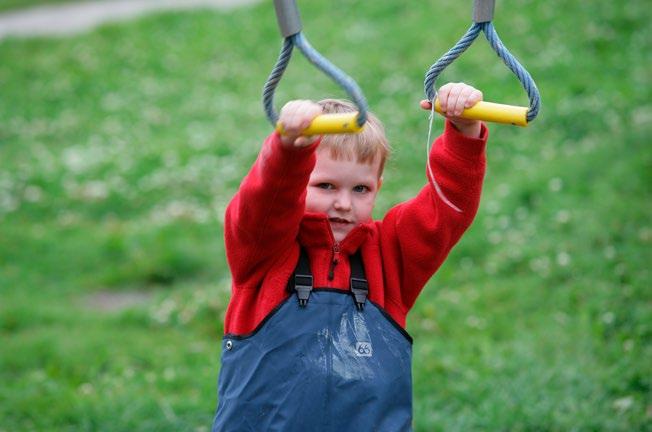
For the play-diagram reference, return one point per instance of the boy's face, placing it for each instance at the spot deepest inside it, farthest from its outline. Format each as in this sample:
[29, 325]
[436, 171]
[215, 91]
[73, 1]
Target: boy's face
[345, 190]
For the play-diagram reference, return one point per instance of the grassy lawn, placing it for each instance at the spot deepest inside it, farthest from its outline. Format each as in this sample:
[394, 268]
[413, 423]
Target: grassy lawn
[120, 148]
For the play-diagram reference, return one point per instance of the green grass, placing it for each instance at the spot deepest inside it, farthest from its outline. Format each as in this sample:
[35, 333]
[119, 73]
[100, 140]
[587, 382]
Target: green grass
[120, 148]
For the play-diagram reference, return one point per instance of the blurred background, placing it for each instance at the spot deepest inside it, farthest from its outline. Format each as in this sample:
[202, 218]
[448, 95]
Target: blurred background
[120, 147]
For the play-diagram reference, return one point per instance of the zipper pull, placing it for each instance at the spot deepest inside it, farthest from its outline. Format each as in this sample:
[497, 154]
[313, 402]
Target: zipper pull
[334, 262]
[331, 270]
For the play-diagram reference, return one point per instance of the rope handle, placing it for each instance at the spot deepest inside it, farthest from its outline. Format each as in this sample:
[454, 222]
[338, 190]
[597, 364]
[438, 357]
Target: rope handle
[487, 111]
[329, 124]
[289, 22]
[493, 112]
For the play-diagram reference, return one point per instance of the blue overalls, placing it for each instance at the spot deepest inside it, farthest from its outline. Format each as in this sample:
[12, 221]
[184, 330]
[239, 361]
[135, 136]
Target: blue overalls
[325, 362]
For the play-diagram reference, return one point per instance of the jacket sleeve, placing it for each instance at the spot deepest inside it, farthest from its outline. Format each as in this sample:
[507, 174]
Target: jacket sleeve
[263, 217]
[417, 235]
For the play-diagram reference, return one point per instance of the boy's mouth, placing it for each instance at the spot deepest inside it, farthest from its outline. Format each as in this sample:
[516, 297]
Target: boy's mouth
[337, 220]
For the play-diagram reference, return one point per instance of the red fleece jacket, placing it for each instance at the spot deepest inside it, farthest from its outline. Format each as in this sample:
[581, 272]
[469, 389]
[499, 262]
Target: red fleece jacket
[266, 222]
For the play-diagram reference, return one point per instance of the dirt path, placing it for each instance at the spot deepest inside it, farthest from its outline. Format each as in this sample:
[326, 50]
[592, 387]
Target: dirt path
[70, 18]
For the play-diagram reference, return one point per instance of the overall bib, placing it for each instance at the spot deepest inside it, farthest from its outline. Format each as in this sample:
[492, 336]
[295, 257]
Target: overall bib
[323, 360]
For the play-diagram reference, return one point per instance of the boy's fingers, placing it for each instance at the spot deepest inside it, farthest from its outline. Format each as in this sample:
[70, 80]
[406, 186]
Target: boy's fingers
[447, 96]
[454, 104]
[462, 99]
[297, 115]
[474, 98]
[304, 141]
[454, 98]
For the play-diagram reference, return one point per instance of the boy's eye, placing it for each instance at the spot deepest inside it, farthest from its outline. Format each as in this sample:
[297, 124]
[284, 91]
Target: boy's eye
[361, 188]
[327, 186]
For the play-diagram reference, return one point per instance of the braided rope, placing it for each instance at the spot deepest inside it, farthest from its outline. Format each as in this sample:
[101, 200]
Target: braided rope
[447, 59]
[336, 74]
[508, 59]
[274, 78]
[319, 61]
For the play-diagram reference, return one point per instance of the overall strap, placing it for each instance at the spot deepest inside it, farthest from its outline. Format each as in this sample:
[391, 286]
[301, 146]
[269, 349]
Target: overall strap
[359, 285]
[301, 282]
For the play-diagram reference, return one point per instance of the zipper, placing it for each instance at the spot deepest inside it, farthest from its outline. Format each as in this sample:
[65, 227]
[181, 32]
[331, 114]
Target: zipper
[334, 261]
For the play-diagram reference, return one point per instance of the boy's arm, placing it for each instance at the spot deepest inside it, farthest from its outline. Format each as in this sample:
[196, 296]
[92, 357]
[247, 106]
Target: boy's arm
[419, 234]
[262, 220]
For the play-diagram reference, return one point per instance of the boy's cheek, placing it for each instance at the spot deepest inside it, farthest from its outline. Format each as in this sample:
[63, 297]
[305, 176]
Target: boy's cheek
[372, 200]
[367, 210]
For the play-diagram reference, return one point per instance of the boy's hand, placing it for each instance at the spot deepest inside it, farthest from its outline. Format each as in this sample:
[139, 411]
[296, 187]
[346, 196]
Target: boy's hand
[453, 99]
[296, 116]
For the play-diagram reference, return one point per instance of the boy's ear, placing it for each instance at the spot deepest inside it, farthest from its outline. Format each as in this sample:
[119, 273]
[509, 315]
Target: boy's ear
[380, 182]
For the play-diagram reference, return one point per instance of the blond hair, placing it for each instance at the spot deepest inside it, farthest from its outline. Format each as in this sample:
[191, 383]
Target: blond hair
[364, 146]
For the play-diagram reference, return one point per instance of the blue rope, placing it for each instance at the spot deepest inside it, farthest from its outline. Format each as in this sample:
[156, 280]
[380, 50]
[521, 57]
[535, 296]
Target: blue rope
[274, 78]
[448, 58]
[508, 59]
[336, 74]
[345, 81]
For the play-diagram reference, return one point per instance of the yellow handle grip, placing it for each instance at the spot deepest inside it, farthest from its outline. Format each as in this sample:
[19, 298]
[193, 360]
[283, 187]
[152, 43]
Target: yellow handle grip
[330, 124]
[493, 112]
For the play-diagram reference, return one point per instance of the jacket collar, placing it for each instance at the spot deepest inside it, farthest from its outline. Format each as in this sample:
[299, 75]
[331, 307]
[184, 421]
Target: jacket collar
[315, 232]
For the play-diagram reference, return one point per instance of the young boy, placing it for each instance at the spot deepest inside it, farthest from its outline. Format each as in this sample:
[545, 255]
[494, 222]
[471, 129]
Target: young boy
[315, 334]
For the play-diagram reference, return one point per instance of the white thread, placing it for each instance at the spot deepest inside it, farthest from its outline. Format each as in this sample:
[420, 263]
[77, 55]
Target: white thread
[432, 175]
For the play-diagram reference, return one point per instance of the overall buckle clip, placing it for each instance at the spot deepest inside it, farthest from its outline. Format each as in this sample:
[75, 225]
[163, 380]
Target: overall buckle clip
[360, 290]
[303, 287]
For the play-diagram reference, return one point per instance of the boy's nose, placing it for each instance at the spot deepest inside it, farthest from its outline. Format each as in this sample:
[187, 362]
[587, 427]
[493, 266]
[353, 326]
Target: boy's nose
[343, 201]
